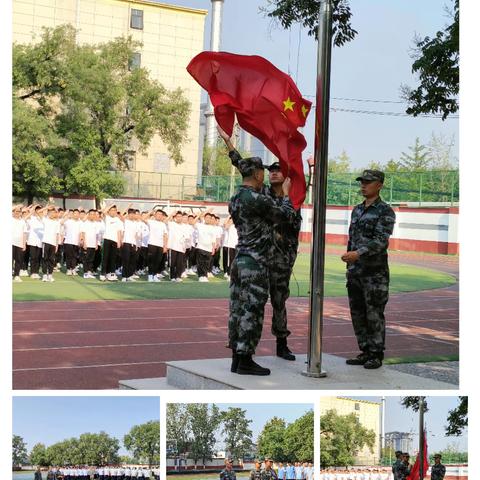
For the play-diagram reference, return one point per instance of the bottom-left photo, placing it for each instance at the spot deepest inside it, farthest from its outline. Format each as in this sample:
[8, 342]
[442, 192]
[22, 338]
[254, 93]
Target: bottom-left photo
[86, 438]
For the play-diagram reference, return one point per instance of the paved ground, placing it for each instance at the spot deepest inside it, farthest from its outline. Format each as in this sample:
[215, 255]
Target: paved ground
[91, 345]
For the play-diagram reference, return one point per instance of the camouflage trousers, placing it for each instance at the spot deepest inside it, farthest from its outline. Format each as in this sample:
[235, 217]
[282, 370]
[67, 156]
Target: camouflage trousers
[368, 296]
[248, 296]
[279, 273]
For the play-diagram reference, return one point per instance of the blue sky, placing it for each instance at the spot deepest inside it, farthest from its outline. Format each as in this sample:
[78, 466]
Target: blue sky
[397, 418]
[371, 67]
[51, 419]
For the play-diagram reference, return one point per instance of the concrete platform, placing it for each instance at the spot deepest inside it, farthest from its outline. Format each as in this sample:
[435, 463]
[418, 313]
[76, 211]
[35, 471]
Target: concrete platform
[215, 375]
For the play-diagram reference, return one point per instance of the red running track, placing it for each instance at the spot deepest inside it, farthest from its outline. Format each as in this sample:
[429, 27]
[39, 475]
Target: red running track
[93, 345]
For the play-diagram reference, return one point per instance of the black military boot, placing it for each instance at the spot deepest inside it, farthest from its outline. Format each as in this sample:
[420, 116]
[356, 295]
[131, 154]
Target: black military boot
[283, 351]
[375, 361]
[361, 359]
[246, 366]
[235, 360]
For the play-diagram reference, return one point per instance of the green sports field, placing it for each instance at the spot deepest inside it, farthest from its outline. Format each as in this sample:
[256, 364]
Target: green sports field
[404, 278]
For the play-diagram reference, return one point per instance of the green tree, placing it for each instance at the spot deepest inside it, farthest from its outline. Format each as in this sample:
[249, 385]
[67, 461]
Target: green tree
[238, 436]
[341, 438]
[457, 418]
[418, 160]
[340, 164]
[436, 62]
[203, 421]
[271, 441]
[38, 455]
[143, 442]
[100, 107]
[299, 443]
[19, 451]
[178, 429]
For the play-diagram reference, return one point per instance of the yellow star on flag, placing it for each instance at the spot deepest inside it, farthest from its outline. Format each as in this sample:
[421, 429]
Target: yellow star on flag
[304, 110]
[288, 105]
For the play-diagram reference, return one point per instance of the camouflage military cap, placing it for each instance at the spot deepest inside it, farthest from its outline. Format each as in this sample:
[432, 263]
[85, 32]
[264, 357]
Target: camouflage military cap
[247, 166]
[371, 176]
[274, 166]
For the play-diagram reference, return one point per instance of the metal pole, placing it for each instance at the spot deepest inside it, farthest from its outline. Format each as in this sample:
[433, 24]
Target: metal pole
[382, 436]
[422, 433]
[317, 266]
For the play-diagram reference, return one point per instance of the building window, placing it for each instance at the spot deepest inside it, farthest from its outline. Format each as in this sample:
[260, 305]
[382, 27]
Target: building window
[135, 61]
[357, 406]
[136, 19]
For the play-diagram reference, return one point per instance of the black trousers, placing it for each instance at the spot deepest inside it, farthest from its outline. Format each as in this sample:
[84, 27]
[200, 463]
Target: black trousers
[128, 259]
[48, 258]
[89, 259]
[192, 257]
[142, 261]
[216, 258]
[70, 255]
[228, 255]
[203, 262]
[17, 257]
[35, 257]
[109, 256]
[97, 261]
[155, 257]
[26, 258]
[176, 264]
[185, 259]
[59, 254]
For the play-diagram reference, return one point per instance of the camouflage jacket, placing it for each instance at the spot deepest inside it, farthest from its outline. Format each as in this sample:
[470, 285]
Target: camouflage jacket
[369, 232]
[228, 474]
[395, 467]
[256, 475]
[286, 231]
[253, 215]
[403, 471]
[438, 472]
[269, 474]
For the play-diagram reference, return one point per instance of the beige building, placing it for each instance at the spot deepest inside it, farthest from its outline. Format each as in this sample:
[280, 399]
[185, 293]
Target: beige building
[171, 37]
[368, 414]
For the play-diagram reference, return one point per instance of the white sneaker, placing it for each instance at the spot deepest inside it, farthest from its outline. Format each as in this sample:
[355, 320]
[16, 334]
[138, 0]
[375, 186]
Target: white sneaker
[50, 278]
[118, 272]
[150, 278]
[74, 273]
[209, 274]
[184, 275]
[194, 269]
[135, 276]
[164, 273]
[226, 276]
[159, 275]
[17, 279]
[23, 273]
[59, 266]
[203, 279]
[86, 275]
[45, 278]
[124, 279]
[102, 278]
[131, 279]
[173, 280]
[178, 280]
[69, 272]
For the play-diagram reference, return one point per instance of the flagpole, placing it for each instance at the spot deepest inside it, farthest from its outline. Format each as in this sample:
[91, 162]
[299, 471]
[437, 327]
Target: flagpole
[317, 264]
[421, 436]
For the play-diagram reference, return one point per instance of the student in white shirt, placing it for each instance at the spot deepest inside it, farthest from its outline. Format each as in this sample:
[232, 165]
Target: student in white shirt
[35, 239]
[112, 241]
[51, 237]
[206, 242]
[188, 244]
[157, 245]
[129, 246]
[230, 240]
[100, 231]
[19, 241]
[176, 243]
[89, 240]
[71, 225]
[218, 241]
[142, 264]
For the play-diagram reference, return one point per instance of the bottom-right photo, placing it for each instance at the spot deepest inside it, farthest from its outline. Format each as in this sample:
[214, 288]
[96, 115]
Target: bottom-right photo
[394, 438]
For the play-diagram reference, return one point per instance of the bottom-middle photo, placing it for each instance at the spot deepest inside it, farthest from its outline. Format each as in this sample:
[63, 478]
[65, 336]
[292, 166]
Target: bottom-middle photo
[260, 441]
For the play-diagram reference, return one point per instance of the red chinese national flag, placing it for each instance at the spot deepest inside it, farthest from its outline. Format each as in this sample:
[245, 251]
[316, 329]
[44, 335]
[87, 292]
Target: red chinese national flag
[267, 104]
[415, 472]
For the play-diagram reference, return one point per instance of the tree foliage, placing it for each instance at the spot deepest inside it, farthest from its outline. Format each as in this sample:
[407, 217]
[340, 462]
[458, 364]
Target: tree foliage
[299, 438]
[81, 110]
[19, 451]
[238, 436]
[143, 442]
[341, 438]
[436, 62]
[271, 441]
[39, 456]
[418, 159]
[288, 12]
[178, 429]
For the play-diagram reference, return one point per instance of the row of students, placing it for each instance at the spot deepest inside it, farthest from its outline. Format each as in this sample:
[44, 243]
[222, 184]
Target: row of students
[357, 474]
[132, 243]
[102, 473]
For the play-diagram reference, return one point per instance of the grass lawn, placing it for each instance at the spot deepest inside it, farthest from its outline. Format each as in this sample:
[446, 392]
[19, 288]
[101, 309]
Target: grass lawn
[404, 278]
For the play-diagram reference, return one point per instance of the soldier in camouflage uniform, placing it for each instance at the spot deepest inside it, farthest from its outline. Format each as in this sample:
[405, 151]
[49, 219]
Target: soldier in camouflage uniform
[257, 473]
[228, 473]
[253, 214]
[396, 464]
[268, 473]
[438, 470]
[368, 276]
[283, 255]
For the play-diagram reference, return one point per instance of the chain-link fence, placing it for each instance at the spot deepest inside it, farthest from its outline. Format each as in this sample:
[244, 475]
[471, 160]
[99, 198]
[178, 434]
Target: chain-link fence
[400, 187]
